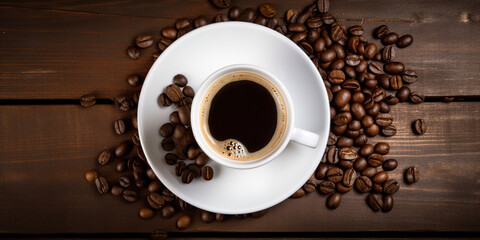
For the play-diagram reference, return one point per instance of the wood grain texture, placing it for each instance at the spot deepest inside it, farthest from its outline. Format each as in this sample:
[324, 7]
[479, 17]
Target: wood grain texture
[45, 150]
[67, 49]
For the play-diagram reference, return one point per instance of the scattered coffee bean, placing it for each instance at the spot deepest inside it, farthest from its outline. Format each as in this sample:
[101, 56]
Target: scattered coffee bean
[391, 186]
[125, 181]
[375, 202]
[349, 177]
[390, 165]
[409, 76]
[416, 98]
[183, 222]
[387, 203]
[129, 195]
[155, 186]
[146, 213]
[380, 32]
[91, 175]
[155, 200]
[333, 201]
[168, 144]
[419, 127]
[323, 6]
[123, 149]
[104, 157]
[87, 100]
[267, 10]
[167, 211]
[363, 184]
[412, 175]
[119, 126]
[180, 80]
[390, 38]
[102, 185]
[144, 40]
[405, 41]
[335, 174]
[382, 148]
[116, 190]
[221, 3]
[207, 217]
[389, 131]
[326, 187]
[133, 52]
[207, 173]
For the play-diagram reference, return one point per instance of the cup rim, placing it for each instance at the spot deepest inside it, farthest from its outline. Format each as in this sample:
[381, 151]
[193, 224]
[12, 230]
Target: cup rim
[195, 112]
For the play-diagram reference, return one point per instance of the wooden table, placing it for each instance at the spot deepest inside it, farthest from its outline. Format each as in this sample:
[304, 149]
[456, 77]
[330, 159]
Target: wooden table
[54, 52]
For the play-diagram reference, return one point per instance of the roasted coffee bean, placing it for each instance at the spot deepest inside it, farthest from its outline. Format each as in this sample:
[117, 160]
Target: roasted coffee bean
[167, 195]
[341, 98]
[344, 142]
[338, 130]
[179, 167]
[384, 119]
[151, 174]
[389, 131]
[387, 203]
[326, 187]
[370, 51]
[374, 109]
[163, 43]
[403, 94]
[104, 157]
[187, 176]
[91, 175]
[389, 53]
[299, 193]
[200, 21]
[124, 103]
[337, 33]
[138, 166]
[375, 67]
[314, 23]
[380, 31]
[356, 30]
[360, 164]
[123, 149]
[116, 190]
[347, 153]
[380, 177]
[412, 175]
[360, 140]
[327, 18]
[367, 121]
[207, 217]
[179, 132]
[133, 80]
[182, 23]
[173, 92]
[306, 47]
[358, 97]
[133, 52]
[168, 144]
[366, 150]
[155, 186]
[119, 126]
[332, 156]
[321, 171]
[125, 181]
[375, 160]
[391, 186]
[291, 15]
[416, 98]
[207, 173]
[349, 177]
[169, 32]
[335, 174]
[221, 18]
[319, 45]
[183, 222]
[369, 172]
[405, 41]
[350, 84]
[369, 83]
[382, 148]
[409, 76]
[171, 158]
[155, 200]
[261, 20]
[328, 55]
[129, 195]
[310, 186]
[144, 40]
[168, 211]
[383, 81]
[220, 217]
[197, 171]
[363, 184]
[180, 151]
[357, 110]
[323, 6]
[174, 118]
[188, 91]
[267, 10]
[341, 188]
[184, 115]
[352, 60]
[272, 23]
[234, 12]
[377, 188]
[221, 3]
[156, 55]
[390, 164]
[333, 201]
[248, 15]
[201, 159]
[146, 213]
[375, 202]
[395, 82]
[180, 80]
[352, 44]
[390, 38]
[163, 100]
[419, 126]
[394, 68]
[87, 100]
[342, 119]
[378, 94]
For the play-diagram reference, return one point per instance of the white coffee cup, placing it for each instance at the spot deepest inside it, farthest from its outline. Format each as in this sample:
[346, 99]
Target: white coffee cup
[290, 132]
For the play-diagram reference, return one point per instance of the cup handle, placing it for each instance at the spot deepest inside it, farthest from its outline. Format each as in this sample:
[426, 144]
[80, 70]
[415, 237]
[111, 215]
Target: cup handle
[304, 137]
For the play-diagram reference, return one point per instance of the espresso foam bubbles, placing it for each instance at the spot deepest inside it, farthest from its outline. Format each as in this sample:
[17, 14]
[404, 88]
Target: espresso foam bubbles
[241, 112]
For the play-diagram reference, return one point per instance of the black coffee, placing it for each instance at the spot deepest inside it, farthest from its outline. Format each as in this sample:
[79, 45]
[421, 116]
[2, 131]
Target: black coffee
[243, 116]
[245, 111]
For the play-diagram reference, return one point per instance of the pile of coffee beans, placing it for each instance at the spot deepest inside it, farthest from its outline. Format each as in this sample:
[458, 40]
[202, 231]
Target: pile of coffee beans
[363, 81]
[177, 134]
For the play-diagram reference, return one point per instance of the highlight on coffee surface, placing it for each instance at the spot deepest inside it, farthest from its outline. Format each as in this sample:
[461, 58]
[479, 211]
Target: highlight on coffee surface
[243, 116]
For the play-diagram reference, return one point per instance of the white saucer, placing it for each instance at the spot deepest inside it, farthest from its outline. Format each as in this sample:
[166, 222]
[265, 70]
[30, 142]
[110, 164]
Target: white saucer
[197, 55]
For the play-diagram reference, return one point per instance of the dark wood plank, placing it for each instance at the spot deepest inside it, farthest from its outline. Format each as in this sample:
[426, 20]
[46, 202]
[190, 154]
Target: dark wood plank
[45, 151]
[66, 49]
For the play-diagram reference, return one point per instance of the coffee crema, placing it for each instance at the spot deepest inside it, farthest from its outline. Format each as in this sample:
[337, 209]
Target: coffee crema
[243, 116]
